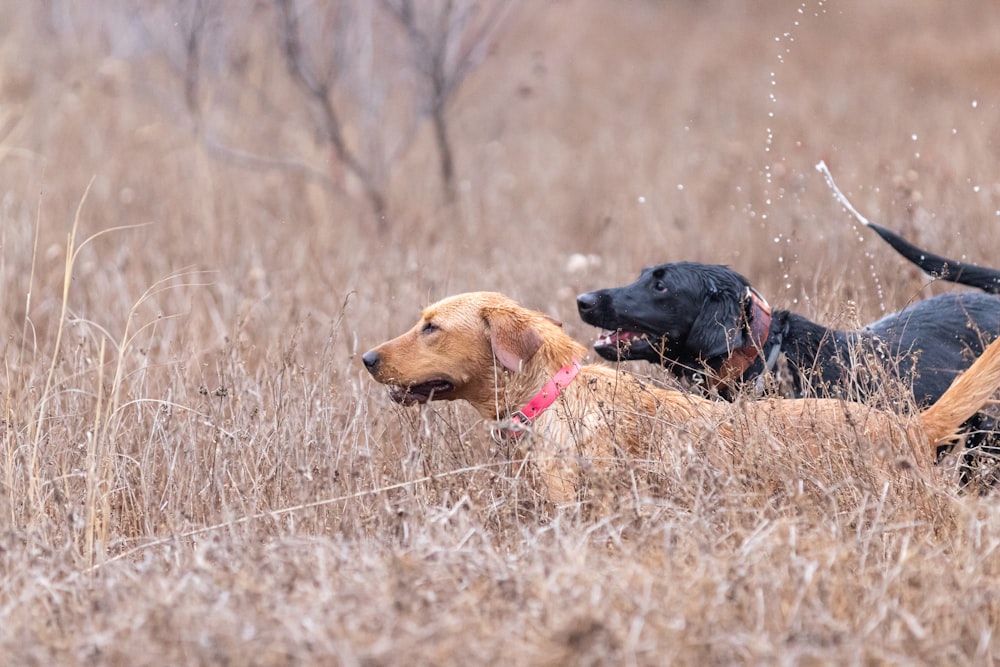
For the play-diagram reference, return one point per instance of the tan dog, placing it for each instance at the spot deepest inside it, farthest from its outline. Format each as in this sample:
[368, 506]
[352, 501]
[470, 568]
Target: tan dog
[519, 368]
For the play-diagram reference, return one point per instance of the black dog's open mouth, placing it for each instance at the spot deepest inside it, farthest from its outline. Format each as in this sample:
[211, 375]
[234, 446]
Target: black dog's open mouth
[422, 392]
[622, 344]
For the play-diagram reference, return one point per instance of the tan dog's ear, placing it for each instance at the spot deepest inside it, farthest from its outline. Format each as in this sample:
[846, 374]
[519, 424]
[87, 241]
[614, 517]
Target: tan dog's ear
[513, 339]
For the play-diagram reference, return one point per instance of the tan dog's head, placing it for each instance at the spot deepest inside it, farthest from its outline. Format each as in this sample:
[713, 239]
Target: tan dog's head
[464, 346]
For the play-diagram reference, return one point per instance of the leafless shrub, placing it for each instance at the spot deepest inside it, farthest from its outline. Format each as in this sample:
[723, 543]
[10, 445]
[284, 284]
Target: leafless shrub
[317, 77]
[353, 91]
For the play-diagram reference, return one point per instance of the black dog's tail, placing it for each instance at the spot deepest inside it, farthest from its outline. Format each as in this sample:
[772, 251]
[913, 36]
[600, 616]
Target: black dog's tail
[951, 270]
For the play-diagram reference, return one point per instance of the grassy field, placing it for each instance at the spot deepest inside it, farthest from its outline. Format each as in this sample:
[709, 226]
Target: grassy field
[197, 469]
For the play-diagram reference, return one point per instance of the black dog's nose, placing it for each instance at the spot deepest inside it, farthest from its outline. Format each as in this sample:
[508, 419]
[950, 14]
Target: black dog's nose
[587, 301]
[371, 360]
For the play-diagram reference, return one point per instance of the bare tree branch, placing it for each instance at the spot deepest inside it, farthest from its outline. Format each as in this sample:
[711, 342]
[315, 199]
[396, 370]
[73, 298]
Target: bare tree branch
[248, 160]
[319, 91]
[476, 44]
[430, 49]
[192, 26]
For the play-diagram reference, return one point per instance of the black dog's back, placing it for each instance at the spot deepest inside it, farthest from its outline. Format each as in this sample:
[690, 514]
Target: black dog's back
[951, 270]
[942, 335]
[981, 311]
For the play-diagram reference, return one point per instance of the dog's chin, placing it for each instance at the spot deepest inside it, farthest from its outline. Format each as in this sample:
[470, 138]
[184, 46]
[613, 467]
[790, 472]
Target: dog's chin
[421, 392]
[625, 346]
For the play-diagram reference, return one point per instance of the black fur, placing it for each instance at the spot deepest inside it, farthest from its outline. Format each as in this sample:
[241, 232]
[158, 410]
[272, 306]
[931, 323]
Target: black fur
[688, 316]
[951, 270]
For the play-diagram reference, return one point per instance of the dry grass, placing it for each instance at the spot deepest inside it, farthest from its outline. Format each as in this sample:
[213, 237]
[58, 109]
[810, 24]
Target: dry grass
[196, 469]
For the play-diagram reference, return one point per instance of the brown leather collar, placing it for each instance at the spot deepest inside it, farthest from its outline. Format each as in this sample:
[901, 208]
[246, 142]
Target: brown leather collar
[742, 358]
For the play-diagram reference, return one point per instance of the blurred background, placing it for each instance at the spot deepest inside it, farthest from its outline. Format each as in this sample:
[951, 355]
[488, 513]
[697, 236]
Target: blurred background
[389, 153]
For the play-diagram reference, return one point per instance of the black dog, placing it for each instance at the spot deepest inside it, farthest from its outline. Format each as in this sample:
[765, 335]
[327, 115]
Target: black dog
[704, 321]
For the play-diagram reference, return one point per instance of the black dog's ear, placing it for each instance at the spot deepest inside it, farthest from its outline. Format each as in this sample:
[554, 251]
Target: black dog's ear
[717, 330]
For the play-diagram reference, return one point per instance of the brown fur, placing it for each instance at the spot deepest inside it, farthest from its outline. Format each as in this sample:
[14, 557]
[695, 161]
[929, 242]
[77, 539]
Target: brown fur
[497, 355]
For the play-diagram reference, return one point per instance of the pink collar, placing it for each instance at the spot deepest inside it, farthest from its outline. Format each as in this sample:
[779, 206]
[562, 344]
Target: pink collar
[521, 420]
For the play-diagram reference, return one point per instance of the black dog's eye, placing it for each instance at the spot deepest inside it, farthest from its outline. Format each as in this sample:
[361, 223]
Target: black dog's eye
[660, 286]
[430, 327]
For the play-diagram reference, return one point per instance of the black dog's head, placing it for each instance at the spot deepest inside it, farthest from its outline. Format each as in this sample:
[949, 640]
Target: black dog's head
[685, 312]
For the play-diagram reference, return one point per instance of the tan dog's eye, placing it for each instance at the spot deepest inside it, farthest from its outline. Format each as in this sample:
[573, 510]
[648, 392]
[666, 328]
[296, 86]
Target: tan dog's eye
[430, 327]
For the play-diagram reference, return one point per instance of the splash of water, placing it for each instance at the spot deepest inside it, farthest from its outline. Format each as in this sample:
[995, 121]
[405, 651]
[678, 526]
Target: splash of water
[838, 195]
[845, 202]
[774, 193]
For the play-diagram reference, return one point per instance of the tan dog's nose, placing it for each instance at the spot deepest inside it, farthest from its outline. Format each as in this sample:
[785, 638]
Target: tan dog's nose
[371, 360]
